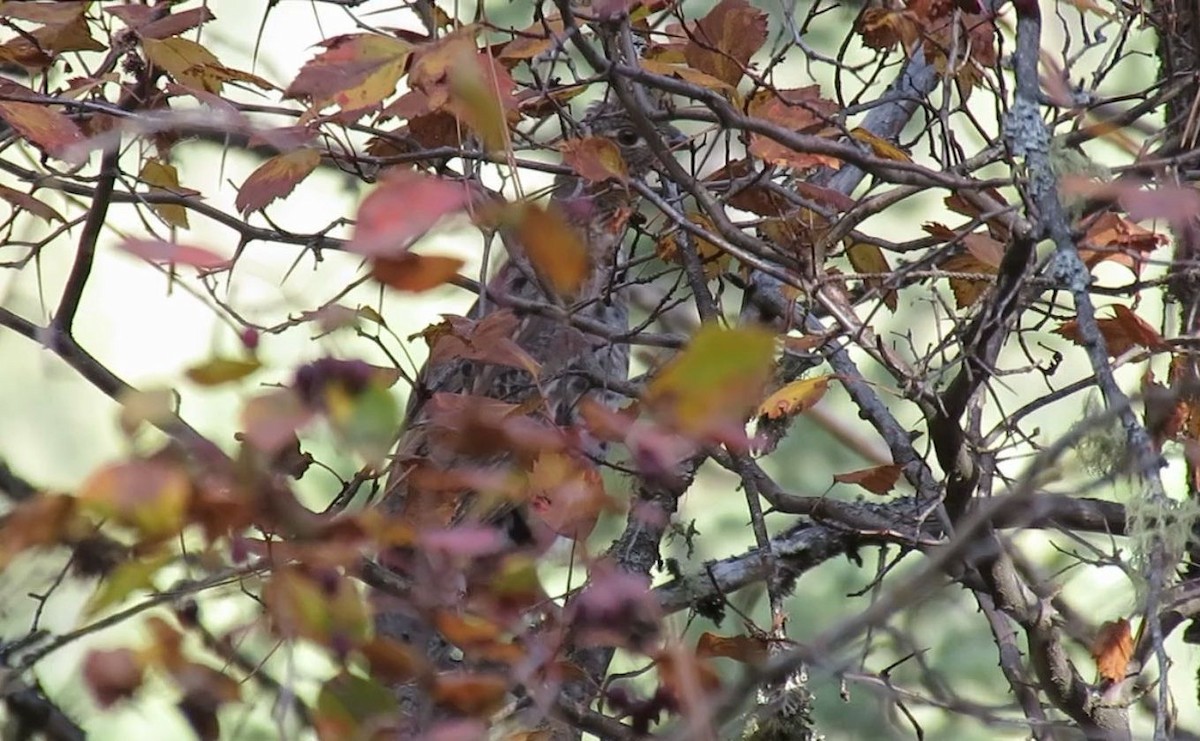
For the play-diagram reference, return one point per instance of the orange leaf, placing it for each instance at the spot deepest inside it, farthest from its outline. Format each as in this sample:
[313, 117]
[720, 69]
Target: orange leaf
[877, 480]
[533, 41]
[795, 397]
[595, 158]
[276, 178]
[402, 208]
[725, 39]
[552, 246]
[470, 694]
[746, 649]
[413, 272]
[1112, 649]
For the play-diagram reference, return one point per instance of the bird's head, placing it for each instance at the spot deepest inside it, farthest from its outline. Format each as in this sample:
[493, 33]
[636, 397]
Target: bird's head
[612, 122]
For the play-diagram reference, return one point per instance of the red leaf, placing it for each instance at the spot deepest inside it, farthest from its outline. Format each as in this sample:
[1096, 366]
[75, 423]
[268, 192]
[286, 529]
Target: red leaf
[155, 250]
[413, 272]
[43, 126]
[401, 209]
[112, 675]
[276, 178]
[175, 24]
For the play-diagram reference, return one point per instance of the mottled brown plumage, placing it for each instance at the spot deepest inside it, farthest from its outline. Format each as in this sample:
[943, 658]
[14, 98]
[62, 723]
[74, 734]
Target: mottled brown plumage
[572, 362]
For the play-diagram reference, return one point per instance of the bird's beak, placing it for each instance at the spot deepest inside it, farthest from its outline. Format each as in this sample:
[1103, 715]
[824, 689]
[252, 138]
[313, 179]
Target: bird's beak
[676, 140]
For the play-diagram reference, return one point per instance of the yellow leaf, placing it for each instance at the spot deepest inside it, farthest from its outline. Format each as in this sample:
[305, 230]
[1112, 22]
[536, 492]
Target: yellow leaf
[880, 146]
[794, 398]
[164, 178]
[150, 496]
[715, 381]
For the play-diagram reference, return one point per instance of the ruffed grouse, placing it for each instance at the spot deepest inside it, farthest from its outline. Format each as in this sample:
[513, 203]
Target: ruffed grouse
[572, 362]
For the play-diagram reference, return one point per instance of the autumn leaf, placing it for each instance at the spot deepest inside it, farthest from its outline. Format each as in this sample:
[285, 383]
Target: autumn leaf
[472, 694]
[218, 371]
[112, 675]
[730, 365]
[532, 41]
[689, 74]
[276, 178]
[40, 124]
[713, 259]
[802, 110]
[126, 578]
[566, 493]
[879, 146]
[746, 649]
[1123, 332]
[25, 202]
[1112, 649]
[983, 256]
[595, 159]
[164, 179]
[487, 340]
[154, 250]
[795, 398]
[324, 608]
[351, 706]
[355, 72]
[869, 258]
[189, 63]
[415, 273]
[150, 496]
[402, 208]
[725, 39]
[877, 480]
[552, 246]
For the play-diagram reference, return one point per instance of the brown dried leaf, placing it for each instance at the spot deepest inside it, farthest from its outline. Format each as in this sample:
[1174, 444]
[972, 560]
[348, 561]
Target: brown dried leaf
[26, 202]
[877, 480]
[1112, 649]
[1123, 332]
[750, 650]
[725, 39]
[869, 258]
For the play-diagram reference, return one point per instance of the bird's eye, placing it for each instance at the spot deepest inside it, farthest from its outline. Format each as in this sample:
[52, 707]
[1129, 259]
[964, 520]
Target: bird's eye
[628, 137]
